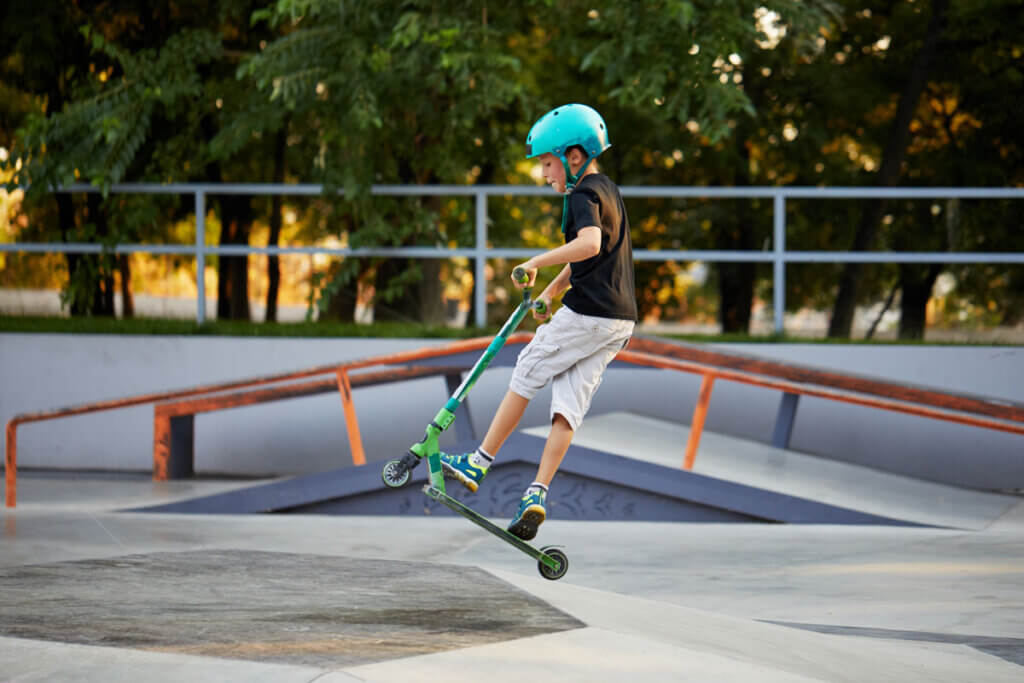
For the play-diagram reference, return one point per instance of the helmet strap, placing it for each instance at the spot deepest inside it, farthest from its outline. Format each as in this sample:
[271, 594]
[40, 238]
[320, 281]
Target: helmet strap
[570, 185]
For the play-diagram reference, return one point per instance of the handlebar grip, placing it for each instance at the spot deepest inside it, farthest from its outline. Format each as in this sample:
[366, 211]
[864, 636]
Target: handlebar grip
[520, 275]
[541, 307]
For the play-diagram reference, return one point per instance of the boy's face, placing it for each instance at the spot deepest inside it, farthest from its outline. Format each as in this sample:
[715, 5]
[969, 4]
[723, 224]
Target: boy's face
[553, 171]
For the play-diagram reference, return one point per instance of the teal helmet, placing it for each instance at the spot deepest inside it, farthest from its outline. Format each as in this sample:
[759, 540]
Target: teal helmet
[566, 126]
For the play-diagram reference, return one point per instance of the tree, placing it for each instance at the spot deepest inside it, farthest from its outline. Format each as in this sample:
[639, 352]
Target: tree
[428, 92]
[721, 85]
[135, 111]
[889, 171]
[44, 67]
[408, 94]
[943, 119]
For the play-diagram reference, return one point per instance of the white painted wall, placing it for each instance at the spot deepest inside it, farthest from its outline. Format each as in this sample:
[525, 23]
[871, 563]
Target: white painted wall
[43, 372]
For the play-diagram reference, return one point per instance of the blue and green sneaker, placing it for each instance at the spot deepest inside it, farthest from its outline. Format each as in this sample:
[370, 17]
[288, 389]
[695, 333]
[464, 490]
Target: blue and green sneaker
[461, 467]
[531, 514]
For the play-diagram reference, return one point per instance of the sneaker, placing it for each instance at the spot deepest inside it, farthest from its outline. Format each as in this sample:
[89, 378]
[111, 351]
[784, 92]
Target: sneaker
[530, 516]
[462, 468]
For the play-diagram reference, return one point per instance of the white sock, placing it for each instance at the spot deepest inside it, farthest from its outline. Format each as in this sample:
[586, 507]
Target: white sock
[481, 458]
[536, 487]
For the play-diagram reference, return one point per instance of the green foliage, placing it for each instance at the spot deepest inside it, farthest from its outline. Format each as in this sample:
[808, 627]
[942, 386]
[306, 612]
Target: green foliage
[399, 93]
[695, 92]
[666, 59]
[99, 135]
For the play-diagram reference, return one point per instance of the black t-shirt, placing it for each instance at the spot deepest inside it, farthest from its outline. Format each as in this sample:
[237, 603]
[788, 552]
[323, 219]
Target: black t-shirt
[602, 285]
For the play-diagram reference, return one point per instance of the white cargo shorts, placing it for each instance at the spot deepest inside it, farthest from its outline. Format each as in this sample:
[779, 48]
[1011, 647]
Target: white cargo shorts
[571, 351]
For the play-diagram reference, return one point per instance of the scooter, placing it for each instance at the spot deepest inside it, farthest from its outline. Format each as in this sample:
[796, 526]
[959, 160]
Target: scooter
[551, 561]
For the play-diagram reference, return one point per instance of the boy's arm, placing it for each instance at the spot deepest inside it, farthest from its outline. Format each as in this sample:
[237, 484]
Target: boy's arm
[557, 286]
[587, 244]
[554, 290]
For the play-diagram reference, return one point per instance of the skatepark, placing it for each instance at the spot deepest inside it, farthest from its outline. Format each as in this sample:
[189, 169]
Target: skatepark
[759, 563]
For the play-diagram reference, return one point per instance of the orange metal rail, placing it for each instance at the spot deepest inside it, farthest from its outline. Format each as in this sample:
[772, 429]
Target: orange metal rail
[973, 411]
[857, 384]
[341, 373]
[710, 374]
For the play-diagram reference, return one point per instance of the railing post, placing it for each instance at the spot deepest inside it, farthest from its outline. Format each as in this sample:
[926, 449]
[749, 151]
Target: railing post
[779, 275]
[201, 256]
[700, 412]
[11, 465]
[355, 439]
[784, 420]
[480, 265]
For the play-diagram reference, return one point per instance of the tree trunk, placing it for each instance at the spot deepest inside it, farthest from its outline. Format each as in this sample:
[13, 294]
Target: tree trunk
[103, 283]
[735, 291]
[233, 271]
[888, 173]
[273, 261]
[736, 280]
[90, 276]
[66, 221]
[421, 301]
[342, 305]
[124, 265]
[916, 282]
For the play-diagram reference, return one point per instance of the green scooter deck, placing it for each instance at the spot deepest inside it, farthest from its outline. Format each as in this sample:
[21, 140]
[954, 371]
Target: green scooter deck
[484, 523]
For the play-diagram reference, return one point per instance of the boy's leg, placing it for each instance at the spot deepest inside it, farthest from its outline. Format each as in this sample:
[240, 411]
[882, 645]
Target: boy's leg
[504, 422]
[572, 391]
[554, 449]
[532, 511]
[471, 468]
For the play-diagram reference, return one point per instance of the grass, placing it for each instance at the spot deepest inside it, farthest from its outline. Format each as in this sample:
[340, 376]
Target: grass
[240, 328]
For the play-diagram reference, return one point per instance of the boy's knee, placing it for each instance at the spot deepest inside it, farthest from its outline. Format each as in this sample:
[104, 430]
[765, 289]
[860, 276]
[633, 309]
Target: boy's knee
[562, 420]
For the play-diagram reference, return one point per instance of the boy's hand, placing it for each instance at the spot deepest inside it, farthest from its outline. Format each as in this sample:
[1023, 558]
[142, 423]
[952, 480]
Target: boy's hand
[545, 313]
[531, 276]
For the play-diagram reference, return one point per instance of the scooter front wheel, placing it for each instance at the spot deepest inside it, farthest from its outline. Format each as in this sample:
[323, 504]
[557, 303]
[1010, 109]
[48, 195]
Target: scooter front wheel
[395, 474]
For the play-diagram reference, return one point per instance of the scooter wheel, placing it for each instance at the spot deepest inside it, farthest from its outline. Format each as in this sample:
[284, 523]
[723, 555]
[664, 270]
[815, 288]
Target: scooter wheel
[395, 474]
[563, 564]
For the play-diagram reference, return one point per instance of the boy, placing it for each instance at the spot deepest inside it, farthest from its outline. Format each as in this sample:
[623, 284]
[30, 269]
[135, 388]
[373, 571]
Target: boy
[598, 312]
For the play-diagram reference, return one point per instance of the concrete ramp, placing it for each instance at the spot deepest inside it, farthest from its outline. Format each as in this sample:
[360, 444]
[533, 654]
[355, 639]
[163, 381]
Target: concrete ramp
[592, 484]
[813, 478]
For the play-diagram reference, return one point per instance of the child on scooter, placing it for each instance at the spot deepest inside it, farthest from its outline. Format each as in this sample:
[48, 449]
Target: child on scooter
[598, 311]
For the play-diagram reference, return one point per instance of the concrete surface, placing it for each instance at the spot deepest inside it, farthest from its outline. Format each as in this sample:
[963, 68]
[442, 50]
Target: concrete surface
[289, 608]
[662, 602]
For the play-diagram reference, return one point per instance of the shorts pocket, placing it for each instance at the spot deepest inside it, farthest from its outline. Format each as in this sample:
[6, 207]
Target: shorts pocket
[538, 359]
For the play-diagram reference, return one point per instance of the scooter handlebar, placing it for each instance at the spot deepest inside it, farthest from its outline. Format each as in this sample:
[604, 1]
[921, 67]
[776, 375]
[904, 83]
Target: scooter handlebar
[522, 277]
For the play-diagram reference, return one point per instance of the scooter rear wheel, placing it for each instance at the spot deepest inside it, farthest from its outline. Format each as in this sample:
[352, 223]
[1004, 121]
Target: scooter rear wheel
[563, 564]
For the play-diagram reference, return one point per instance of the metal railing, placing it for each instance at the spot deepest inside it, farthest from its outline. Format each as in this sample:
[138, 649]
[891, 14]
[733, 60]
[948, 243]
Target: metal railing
[793, 380]
[778, 256]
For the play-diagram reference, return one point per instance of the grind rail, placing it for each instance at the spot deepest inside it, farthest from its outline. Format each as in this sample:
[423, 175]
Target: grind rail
[172, 451]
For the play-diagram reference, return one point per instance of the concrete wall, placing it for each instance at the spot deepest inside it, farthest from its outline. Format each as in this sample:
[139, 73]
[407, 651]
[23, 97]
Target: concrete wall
[43, 372]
